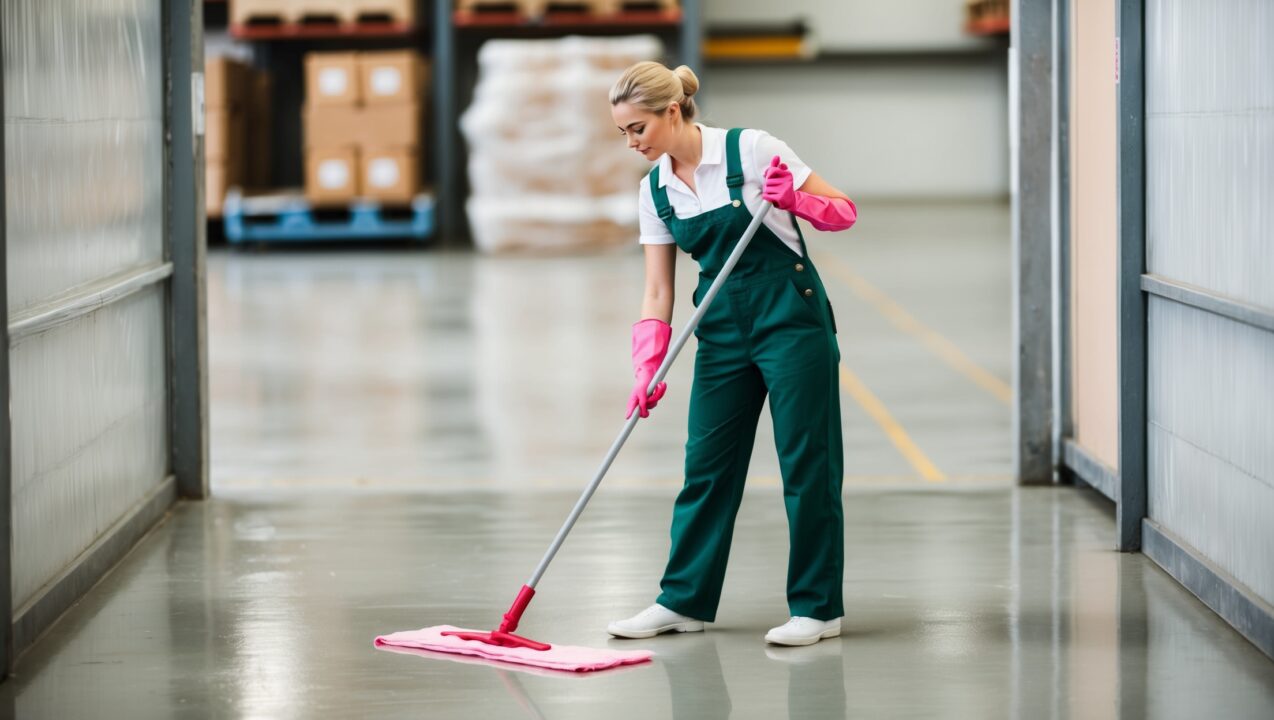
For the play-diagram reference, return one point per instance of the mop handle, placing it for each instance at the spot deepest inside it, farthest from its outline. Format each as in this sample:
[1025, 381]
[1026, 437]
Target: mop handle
[659, 376]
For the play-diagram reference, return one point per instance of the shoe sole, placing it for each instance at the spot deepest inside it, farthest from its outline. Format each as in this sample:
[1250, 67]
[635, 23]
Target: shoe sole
[802, 642]
[641, 634]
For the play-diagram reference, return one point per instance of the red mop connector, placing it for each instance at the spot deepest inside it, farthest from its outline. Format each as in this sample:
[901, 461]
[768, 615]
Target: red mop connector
[504, 636]
[514, 615]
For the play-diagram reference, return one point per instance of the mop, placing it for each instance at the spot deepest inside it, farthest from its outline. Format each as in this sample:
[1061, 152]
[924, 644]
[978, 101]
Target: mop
[501, 644]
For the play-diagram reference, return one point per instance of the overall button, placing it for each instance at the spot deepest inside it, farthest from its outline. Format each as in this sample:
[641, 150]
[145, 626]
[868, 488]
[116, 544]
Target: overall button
[809, 293]
[800, 267]
[736, 203]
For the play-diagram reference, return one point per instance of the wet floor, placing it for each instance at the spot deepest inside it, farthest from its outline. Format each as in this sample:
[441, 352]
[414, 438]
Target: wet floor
[978, 603]
[396, 436]
[448, 369]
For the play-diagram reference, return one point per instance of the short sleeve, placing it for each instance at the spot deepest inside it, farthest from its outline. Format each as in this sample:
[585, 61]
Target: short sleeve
[653, 229]
[767, 146]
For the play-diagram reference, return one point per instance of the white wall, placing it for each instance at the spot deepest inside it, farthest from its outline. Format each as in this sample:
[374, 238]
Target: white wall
[891, 125]
[858, 24]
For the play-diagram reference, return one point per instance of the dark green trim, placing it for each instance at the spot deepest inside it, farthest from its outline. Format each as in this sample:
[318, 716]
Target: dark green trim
[733, 164]
[660, 196]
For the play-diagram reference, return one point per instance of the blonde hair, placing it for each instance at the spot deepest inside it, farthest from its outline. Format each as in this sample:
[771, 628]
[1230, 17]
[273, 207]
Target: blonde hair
[652, 87]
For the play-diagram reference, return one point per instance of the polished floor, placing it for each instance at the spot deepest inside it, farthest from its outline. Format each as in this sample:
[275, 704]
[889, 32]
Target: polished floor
[973, 603]
[411, 370]
[397, 435]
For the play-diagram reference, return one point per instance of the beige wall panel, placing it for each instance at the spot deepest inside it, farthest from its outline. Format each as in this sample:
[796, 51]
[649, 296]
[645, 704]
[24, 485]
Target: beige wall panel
[1094, 199]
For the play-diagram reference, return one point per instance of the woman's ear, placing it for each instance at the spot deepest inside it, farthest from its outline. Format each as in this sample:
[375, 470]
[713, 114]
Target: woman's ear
[674, 111]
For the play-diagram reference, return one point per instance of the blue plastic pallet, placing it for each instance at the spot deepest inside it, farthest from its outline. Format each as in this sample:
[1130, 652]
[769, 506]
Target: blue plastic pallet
[291, 218]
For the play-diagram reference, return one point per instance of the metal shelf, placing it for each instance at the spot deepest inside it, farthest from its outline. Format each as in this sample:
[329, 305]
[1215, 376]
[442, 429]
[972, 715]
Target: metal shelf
[566, 20]
[989, 26]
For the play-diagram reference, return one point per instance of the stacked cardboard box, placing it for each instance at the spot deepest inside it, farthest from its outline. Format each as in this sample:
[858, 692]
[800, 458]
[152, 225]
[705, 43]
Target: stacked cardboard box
[236, 129]
[548, 170]
[363, 115]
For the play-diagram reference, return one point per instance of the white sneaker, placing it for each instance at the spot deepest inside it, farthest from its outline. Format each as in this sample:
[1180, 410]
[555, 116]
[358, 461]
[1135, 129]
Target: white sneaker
[652, 621]
[803, 631]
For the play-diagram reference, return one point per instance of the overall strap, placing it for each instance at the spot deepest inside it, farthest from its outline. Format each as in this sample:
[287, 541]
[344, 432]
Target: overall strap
[660, 196]
[733, 165]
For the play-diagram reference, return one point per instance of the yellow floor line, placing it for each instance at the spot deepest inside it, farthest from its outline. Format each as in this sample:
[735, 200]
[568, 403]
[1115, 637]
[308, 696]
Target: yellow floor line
[930, 338]
[876, 409]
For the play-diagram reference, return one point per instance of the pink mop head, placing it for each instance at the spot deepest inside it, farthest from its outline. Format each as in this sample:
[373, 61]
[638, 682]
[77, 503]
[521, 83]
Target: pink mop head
[558, 657]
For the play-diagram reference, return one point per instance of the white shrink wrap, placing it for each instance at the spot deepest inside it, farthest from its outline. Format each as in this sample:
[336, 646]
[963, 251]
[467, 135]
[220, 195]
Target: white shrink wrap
[548, 170]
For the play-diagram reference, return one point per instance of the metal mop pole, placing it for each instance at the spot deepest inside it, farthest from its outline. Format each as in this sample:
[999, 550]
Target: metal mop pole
[504, 635]
[673, 350]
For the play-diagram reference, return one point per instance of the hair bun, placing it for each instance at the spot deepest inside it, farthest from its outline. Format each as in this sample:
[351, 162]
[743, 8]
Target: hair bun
[689, 81]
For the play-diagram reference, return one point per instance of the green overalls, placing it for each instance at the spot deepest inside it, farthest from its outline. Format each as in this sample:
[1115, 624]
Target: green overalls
[770, 329]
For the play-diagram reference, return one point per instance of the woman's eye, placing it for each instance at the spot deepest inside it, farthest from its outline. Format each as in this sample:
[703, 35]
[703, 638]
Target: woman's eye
[640, 130]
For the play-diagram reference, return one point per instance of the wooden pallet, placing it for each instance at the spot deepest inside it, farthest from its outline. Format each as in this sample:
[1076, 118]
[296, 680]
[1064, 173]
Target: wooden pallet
[545, 8]
[345, 13]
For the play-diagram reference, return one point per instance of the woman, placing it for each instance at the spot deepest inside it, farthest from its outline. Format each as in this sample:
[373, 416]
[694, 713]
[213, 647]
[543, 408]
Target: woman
[769, 330]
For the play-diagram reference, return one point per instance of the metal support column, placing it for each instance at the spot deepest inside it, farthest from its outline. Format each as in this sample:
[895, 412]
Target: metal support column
[447, 207]
[1130, 505]
[690, 39]
[185, 244]
[1063, 416]
[1032, 43]
[6, 435]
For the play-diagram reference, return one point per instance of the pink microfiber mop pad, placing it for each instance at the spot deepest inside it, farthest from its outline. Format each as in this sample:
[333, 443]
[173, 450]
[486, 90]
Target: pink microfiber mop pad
[559, 657]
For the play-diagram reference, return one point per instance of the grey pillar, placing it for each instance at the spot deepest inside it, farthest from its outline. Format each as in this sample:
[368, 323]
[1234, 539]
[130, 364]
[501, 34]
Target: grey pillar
[446, 179]
[1032, 42]
[690, 41]
[185, 245]
[1130, 501]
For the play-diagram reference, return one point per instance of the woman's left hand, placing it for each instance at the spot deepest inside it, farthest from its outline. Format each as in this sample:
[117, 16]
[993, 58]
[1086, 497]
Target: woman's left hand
[778, 188]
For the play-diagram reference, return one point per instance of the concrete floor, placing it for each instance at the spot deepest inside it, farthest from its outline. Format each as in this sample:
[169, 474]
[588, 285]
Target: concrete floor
[973, 603]
[449, 370]
[396, 437]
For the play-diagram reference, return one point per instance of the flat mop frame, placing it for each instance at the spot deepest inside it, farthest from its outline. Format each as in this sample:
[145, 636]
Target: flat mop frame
[503, 636]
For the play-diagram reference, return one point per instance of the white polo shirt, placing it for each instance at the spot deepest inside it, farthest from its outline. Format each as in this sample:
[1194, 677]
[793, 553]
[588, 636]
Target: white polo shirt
[756, 147]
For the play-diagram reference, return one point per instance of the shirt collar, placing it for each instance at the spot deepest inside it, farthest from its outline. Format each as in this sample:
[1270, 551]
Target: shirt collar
[713, 150]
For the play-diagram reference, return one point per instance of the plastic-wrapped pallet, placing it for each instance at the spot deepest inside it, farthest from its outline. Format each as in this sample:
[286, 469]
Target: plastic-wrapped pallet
[547, 168]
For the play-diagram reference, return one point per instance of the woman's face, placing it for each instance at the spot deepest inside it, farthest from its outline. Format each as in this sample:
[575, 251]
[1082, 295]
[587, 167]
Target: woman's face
[647, 133]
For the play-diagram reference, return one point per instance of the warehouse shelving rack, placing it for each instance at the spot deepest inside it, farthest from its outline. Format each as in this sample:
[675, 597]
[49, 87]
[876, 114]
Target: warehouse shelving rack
[450, 40]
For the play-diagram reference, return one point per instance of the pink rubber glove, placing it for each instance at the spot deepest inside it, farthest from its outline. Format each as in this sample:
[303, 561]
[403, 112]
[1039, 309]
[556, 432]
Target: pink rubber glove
[650, 345]
[824, 213]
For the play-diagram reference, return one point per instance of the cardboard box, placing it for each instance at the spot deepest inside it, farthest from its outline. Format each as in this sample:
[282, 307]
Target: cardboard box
[225, 133]
[393, 77]
[374, 125]
[391, 175]
[225, 82]
[331, 175]
[214, 188]
[220, 176]
[332, 79]
[391, 125]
